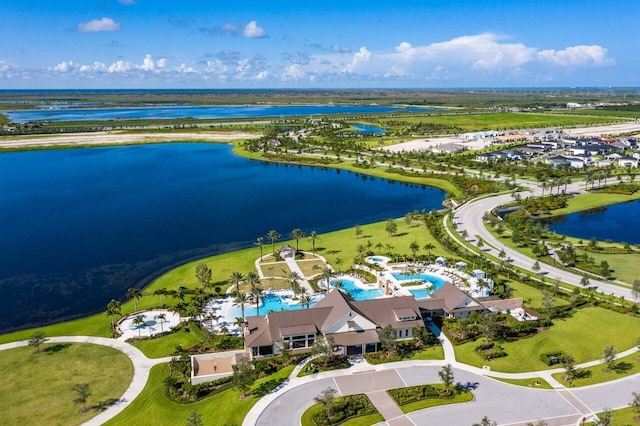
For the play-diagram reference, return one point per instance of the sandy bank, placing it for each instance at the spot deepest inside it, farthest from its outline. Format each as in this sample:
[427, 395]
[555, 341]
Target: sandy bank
[115, 138]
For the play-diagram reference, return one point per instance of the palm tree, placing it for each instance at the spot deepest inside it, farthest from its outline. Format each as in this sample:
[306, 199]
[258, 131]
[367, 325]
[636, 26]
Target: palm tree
[138, 321]
[256, 293]
[236, 279]
[252, 278]
[260, 243]
[339, 262]
[241, 299]
[162, 317]
[429, 248]
[313, 236]
[161, 292]
[305, 300]
[326, 275]
[273, 236]
[114, 308]
[414, 247]
[293, 277]
[379, 246]
[296, 234]
[135, 294]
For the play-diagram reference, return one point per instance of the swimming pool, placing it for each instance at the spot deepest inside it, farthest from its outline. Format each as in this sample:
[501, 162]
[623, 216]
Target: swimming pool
[420, 293]
[270, 302]
[357, 292]
[436, 281]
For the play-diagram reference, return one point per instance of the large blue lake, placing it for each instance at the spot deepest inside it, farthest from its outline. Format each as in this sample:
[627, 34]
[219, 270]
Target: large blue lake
[80, 226]
[618, 222]
[60, 113]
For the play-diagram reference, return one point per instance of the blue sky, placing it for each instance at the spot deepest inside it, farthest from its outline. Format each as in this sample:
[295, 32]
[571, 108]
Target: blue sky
[328, 44]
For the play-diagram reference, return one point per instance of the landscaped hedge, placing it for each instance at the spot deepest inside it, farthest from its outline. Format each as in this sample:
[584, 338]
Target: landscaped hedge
[345, 408]
[490, 351]
[553, 358]
[404, 396]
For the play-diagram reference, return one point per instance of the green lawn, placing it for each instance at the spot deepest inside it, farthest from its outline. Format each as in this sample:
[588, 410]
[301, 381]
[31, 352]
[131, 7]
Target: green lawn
[583, 336]
[626, 267]
[533, 297]
[592, 200]
[529, 383]
[165, 345]
[623, 417]
[431, 352]
[36, 389]
[596, 374]
[153, 408]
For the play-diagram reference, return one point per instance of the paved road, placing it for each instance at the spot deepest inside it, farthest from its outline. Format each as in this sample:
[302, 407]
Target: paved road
[468, 217]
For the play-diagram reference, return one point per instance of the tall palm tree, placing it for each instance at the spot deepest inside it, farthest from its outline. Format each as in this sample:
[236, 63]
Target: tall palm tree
[138, 321]
[379, 246]
[414, 247]
[260, 243]
[273, 236]
[313, 236]
[429, 248]
[326, 275]
[162, 317]
[252, 278]
[161, 292]
[293, 278]
[296, 234]
[305, 300]
[241, 299]
[114, 308]
[134, 294]
[256, 294]
[339, 263]
[236, 279]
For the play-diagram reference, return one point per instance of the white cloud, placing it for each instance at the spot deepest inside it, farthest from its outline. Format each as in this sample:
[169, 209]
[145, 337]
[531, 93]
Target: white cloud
[98, 26]
[253, 30]
[340, 49]
[577, 56]
[361, 57]
[293, 72]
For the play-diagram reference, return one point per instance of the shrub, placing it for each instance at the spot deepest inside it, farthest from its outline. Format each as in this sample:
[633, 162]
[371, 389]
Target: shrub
[490, 351]
[552, 358]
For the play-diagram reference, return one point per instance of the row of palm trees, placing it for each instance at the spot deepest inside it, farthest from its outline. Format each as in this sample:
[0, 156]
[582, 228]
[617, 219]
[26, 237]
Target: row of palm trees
[297, 234]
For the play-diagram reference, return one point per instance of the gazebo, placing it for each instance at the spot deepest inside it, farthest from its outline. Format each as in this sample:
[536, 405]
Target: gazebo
[441, 261]
[287, 251]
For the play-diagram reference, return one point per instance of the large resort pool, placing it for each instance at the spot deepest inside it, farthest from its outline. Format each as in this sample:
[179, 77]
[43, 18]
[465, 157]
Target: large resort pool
[418, 281]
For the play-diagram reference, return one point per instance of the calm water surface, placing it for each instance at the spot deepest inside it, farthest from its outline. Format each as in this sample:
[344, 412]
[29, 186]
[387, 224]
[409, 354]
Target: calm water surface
[80, 226]
[618, 222]
[173, 111]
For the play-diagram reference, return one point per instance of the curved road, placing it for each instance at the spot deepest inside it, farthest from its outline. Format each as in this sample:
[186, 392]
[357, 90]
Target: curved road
[468, 217]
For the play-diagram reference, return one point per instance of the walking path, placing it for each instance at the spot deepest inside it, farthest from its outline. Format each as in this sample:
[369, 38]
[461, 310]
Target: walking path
[141, 369]
[293, 265]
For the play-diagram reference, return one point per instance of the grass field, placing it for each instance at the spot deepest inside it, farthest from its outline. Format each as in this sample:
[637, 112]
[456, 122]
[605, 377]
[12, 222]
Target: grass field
[583, 336]
[626, 267]
[596, 374]
[623, 417]
[153, 408]
[501, 121]
[529, 383]
[592, 200]
[166, 345]
[36, 389]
